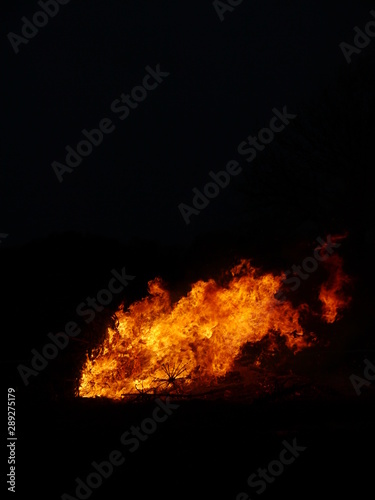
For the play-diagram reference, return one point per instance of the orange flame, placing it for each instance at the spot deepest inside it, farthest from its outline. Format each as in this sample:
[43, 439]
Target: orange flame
[160, 347]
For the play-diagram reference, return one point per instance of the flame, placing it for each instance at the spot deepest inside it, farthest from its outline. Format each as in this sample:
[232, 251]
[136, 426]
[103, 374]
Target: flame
[160, 346]
[331, 293]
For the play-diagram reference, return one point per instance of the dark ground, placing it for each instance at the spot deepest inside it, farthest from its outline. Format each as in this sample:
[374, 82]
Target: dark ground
[204, 450]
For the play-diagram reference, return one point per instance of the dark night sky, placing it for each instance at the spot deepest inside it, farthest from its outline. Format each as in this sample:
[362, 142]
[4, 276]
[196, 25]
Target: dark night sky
[225, 78]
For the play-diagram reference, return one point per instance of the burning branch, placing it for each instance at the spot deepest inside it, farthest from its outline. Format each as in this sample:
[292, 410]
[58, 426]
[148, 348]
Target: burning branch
[173, 379]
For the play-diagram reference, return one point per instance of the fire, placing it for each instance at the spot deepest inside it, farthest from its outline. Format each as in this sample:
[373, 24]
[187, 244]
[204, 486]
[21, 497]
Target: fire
[164, 347]
[331, 293]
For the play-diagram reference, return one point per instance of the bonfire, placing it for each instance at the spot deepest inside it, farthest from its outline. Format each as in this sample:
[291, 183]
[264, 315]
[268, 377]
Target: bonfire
[189, 346]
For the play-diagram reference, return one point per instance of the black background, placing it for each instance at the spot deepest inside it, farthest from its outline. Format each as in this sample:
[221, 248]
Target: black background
[120, 208]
